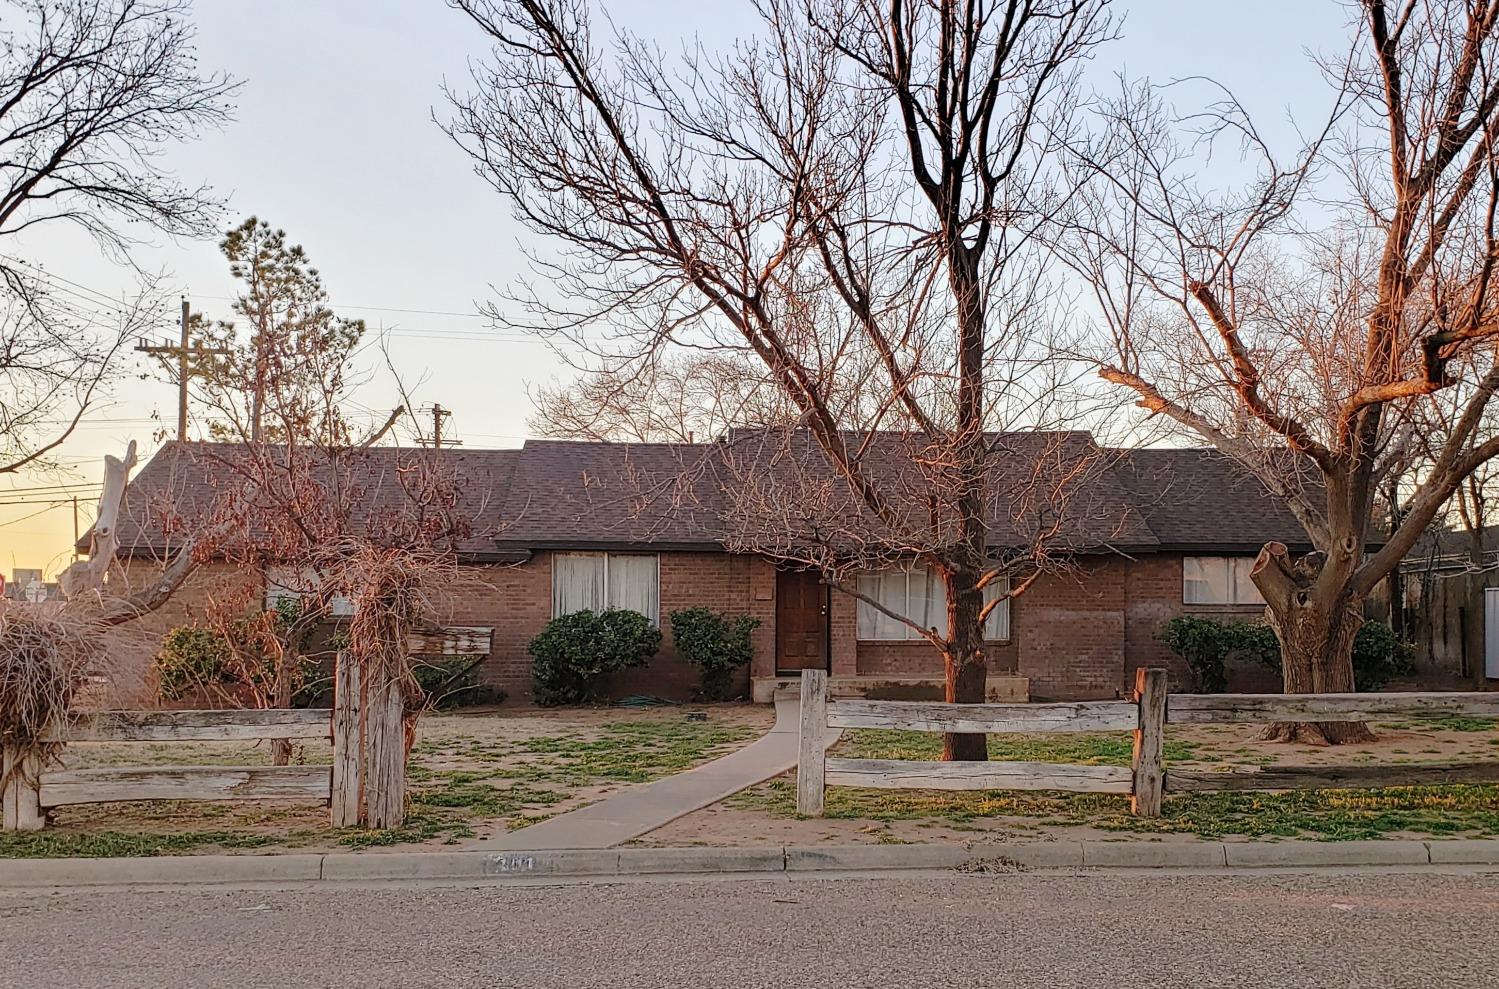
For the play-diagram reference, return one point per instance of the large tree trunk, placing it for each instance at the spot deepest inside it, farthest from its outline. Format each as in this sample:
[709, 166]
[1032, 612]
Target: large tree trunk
[1316, 654]
[967, 671]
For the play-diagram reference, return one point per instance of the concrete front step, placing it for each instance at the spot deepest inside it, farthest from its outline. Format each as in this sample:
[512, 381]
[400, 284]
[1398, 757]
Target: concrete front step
[1001, 689]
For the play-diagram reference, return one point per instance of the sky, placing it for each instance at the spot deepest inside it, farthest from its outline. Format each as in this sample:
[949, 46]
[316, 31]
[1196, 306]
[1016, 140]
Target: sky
[333, 140]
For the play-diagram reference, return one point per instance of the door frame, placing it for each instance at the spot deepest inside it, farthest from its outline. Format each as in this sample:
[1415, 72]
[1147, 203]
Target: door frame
[827, 622]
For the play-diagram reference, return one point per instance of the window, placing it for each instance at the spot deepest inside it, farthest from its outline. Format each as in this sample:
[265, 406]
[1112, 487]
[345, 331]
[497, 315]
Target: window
[595, 581]
[1219, 580]
[922, 597]
[282, 584]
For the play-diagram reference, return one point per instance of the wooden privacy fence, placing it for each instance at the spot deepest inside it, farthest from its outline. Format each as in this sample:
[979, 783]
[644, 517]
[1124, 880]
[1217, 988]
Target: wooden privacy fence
[1146, 779]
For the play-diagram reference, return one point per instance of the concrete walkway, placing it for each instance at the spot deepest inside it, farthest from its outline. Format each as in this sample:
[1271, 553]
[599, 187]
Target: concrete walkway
[633, 812]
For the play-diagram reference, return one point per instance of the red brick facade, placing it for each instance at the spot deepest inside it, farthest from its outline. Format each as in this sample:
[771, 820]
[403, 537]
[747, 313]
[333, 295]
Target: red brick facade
[1074, 636]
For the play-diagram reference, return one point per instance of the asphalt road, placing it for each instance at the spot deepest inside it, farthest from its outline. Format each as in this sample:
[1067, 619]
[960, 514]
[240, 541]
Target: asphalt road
[1032, 930]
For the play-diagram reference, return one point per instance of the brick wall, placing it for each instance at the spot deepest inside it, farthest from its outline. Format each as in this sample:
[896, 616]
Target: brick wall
[1155, 597]
[132, 646]
[1070, 628]
[1076, 635]
[517, 601]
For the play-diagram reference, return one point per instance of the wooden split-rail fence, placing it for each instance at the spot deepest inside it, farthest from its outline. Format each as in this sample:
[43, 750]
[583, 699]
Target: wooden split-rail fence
[366, 784]
[1146, 714]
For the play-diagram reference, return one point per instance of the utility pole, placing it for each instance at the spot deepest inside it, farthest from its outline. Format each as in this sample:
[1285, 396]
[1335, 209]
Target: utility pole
[438, 415]
[184, 367]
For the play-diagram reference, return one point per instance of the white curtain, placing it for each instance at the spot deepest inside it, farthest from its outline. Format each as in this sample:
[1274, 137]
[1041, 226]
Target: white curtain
[635, 583]
[284, 583]
[1219, 580]
[915, 594]
[926, 597]
[997, 625]
[577, 582]
[1205, 580]
[1244, 590]
[889, 589]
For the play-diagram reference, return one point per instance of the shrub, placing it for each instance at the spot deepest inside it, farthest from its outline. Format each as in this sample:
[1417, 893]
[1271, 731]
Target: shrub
[1380, 656]
[717, 644]
[1206, 644]
[574, 656]
[190, 657]
[447, 682]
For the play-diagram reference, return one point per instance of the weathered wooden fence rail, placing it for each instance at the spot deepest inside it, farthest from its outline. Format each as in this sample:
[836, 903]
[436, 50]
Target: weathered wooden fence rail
[366, 782]
[1147, 778]
[35, 790]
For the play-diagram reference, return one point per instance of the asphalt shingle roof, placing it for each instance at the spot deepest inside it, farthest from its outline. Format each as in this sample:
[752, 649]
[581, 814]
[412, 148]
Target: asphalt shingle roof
[558, 493]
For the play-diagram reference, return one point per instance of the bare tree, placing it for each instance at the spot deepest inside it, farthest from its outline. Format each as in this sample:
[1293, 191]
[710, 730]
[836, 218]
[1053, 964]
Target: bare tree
[91, 91]
[852, 198]
[56, 358]
[680, 398]
[1308, 321]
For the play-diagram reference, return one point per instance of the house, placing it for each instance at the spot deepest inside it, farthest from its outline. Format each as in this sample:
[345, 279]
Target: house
[560, 526]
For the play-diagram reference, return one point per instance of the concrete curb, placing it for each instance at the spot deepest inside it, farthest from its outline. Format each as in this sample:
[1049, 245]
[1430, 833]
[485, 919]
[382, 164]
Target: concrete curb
[765, 860]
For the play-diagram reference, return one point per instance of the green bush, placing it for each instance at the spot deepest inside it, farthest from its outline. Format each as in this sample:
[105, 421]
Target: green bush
[574, 656]
[717, 644]
[1206, 644]
[1380, 656]
[192, 657]
[447, 682]
[189, 657]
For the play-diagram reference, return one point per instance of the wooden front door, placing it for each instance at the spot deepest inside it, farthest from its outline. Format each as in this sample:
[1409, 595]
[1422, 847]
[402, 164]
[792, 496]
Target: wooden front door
[801, 621]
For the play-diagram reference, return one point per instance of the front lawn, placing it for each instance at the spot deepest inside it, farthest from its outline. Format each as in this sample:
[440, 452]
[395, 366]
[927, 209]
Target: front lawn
[852, 814]
[471, 776]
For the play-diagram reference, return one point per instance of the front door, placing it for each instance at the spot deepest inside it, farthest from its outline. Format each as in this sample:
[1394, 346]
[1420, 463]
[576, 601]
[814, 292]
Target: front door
[801, 621]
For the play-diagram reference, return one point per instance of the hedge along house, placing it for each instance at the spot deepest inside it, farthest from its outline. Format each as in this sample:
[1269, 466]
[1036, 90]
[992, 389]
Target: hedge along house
[561, 526]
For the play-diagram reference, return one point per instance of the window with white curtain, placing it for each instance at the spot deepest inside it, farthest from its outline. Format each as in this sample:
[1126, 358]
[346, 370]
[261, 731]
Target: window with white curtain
[284, 583]
[920, 596]
[596, 581]
[1219, 580]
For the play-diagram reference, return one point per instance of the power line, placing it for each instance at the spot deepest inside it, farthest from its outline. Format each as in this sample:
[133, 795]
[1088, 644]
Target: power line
[33, 515]
[351, 305]
[52, 488]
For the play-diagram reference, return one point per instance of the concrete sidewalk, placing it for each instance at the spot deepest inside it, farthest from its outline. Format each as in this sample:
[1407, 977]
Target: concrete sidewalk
[638, 810]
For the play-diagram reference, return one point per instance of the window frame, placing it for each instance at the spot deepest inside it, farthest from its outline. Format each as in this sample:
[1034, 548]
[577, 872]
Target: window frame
[1237, 579]
[908, 633]
[655, 558]
[340, 606]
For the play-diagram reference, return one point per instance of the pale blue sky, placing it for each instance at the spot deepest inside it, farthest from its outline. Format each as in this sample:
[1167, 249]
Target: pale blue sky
[334, 142]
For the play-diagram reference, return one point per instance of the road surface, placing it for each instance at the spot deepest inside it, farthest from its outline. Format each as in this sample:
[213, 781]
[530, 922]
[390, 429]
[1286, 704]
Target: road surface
[1401, 931]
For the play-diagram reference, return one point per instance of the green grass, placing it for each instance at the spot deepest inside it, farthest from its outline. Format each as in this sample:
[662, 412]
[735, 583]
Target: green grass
[627, 752]
[517, 782]
[1089, 750]
[112, 844]
[1331, 815]
[529, 776]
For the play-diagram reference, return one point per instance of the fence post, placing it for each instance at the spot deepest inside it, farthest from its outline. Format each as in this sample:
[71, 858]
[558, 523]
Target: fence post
[811, 763]
[1150, 743]
[384, 763]
[344, 802]
[20, 795]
